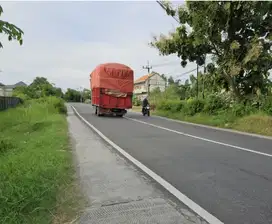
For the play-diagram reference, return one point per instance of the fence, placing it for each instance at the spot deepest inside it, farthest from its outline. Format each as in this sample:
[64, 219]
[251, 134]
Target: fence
[8, 102]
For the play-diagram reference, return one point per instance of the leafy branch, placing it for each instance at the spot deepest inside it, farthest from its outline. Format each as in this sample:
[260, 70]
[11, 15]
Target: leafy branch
[13, 32]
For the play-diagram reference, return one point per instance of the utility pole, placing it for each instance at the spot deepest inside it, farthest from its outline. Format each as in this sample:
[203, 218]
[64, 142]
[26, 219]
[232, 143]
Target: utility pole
[197, 80]
[203, 78]
[148, 67]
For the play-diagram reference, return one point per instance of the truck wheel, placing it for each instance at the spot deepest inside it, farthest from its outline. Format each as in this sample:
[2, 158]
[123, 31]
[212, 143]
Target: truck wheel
[98, 112]
[95, 110]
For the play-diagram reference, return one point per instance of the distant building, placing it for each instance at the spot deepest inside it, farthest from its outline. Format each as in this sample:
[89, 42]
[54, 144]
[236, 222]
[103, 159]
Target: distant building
[154, 79]
[6, 90]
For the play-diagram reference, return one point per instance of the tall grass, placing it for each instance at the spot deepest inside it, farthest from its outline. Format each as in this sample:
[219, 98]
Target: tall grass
[35, 161]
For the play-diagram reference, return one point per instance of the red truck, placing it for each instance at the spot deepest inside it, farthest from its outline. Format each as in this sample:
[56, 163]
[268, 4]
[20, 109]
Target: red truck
[112, 89]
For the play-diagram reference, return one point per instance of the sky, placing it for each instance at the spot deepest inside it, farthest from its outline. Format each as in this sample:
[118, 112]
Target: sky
[65, 41]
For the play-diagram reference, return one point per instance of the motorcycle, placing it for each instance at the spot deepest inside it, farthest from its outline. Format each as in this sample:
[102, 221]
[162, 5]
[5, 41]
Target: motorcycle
[146, 110]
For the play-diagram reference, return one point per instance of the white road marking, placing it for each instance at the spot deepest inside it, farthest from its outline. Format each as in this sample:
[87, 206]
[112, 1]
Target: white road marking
[183, 198]
[210, 127]
[200, 138]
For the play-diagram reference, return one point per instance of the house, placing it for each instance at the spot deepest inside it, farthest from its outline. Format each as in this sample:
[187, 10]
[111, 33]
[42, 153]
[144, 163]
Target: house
[154, 80]
[6, 90]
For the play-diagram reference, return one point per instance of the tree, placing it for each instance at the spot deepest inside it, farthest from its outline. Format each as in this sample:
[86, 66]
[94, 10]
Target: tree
[40, 87]
[13, 32]
[59, 93]
[171, 80]
[72, 95]
[87, 94]
[164, 77]
[237, 34]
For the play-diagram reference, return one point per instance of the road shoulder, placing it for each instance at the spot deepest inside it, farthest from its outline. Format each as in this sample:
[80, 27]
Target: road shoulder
[117, 192]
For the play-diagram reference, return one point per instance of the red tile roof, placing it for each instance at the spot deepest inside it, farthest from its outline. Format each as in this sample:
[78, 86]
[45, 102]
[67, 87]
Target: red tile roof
[143, 78]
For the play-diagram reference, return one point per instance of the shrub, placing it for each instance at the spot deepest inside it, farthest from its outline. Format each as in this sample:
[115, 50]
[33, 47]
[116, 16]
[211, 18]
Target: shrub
[53, 103]
[170, 105]
[214, 103]
[194, 106]
[136, 101]
[58, 104]
[266, 105]
[22, 96]
[242, 109]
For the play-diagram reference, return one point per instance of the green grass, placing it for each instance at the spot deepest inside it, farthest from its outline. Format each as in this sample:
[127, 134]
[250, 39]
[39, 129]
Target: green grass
[255, 123]
[137, 108]
[37, 181]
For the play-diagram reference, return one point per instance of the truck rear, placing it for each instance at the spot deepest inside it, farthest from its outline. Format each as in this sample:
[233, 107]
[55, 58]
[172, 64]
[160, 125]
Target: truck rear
[112, 89]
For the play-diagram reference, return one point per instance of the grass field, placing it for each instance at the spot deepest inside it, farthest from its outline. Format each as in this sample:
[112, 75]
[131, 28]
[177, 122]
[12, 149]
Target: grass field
[37, 178]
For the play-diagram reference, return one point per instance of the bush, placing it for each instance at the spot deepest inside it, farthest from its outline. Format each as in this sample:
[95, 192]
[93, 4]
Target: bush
[22, 96]
[53, 103]
[214, 103]
[59, 105]
[266, 105]
[194, 106]
[136, 101]
[242, 109]
[170, 105]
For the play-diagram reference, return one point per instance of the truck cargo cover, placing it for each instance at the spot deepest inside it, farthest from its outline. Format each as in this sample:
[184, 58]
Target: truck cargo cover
[113, 76]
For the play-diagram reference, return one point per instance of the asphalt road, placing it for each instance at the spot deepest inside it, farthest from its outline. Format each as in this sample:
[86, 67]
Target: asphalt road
[232, 184]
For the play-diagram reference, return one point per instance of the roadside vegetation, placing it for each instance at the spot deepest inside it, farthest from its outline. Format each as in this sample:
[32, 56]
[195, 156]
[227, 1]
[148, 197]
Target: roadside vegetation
[215, 109]
[37, 177]
[218, 109]
[231, 43]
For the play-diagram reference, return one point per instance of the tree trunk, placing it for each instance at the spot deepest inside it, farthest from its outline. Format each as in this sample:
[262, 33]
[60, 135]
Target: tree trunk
[232, 84]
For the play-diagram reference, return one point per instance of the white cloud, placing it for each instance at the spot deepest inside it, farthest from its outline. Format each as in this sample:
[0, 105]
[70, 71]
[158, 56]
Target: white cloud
[57, 47]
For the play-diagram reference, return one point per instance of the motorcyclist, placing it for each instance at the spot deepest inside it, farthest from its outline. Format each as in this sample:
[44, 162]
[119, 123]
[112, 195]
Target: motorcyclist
[145, 103]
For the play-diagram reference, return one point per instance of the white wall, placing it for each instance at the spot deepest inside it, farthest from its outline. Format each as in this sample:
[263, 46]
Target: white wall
[8, 92]
[5, 91]
[157, 81]
[139, 88]
[2, 91]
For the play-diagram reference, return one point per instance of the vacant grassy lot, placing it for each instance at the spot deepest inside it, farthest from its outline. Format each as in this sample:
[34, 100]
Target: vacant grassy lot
[37, 181]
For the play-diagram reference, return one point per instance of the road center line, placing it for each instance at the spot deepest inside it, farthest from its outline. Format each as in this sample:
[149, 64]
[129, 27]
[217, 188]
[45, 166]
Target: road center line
[200, 138]
[180, 196]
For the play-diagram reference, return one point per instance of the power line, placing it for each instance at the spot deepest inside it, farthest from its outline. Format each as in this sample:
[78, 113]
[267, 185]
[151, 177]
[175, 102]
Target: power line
[166, 63]
[185, 73]
[163, 6]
